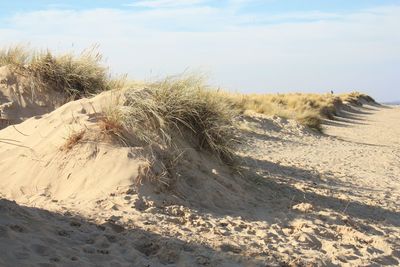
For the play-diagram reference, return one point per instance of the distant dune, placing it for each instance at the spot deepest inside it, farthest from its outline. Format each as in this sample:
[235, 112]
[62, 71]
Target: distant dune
[392, 103]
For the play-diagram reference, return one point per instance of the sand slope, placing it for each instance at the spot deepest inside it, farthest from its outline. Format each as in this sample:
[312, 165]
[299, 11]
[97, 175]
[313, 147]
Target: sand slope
[301, 198]
[21, 98]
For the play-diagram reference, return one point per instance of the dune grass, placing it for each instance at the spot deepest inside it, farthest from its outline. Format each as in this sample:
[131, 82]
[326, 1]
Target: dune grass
[15, 55]
[307, 109]
[356, 98]
[175, 107]
[181, 105]
[76, 75]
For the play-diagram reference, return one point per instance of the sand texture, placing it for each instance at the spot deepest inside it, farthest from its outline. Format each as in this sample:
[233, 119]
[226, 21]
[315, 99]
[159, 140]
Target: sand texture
[297, 198]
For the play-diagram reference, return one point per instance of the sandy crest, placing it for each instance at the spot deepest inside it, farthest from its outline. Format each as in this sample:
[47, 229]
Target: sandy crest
[301, 198]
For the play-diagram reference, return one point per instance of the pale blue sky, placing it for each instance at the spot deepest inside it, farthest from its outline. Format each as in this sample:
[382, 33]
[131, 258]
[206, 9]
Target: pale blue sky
[262, 6]
[245, 45]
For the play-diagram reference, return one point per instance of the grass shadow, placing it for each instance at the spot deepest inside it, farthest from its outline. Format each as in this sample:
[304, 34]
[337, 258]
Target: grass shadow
[281, 179]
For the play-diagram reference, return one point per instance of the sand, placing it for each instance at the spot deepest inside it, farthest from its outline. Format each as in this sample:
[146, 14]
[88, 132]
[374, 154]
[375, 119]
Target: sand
[21, 98]
[298, 198]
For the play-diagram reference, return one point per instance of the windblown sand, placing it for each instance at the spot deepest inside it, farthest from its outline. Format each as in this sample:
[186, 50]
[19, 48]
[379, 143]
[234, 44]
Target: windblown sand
[300, 198]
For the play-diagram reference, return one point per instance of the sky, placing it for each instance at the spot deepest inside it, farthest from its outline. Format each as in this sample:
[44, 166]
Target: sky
[252, 46]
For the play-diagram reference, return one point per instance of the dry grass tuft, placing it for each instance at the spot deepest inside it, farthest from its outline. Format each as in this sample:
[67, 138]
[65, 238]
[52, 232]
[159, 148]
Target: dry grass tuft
[73, 139]
[77, 76]
[110, 126]
[312, 121]
[159, 168]
[178, 107]
[15, 55]
[356, 98]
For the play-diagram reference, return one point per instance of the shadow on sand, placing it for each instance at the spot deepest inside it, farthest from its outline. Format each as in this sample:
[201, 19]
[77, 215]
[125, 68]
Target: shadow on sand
[283, 177]
[68, 240]
[37, 237]
[351, 115]
[275, 189]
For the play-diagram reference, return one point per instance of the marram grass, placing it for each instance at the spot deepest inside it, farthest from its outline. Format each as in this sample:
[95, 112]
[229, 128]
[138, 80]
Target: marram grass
[76, 75]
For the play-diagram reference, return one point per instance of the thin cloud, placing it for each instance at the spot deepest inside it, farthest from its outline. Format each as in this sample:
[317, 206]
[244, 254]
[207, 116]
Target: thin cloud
[165, 3]
[285, 52]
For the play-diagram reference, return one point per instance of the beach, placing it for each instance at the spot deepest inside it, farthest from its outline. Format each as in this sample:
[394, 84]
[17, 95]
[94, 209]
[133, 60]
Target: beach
[297, 197]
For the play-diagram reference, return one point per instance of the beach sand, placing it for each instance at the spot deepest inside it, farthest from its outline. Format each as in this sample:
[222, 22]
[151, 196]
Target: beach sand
[297, 198]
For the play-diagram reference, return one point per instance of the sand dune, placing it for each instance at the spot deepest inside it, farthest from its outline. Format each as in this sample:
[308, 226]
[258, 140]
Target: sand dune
[298, 198]
[20, 98]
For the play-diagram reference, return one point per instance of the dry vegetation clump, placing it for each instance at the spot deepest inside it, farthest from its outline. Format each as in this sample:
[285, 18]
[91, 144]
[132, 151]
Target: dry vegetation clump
[73, 139]
[308, 109]
[176, 107]
[159, 168]
[356, 98]
[77, 76]
[15, 56]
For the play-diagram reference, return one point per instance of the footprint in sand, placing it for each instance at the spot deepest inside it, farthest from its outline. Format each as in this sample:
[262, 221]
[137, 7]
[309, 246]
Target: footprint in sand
[42, 250]
[17, 228]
